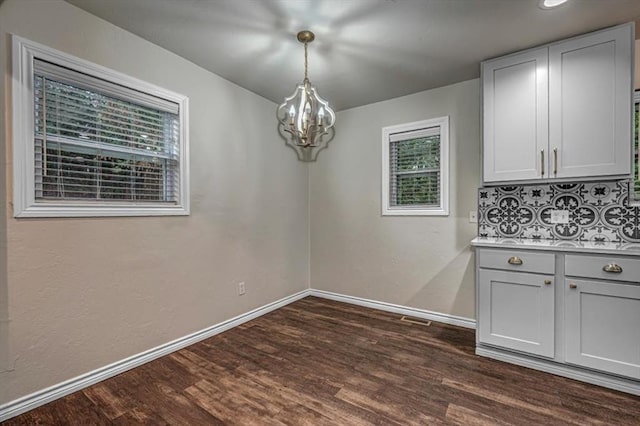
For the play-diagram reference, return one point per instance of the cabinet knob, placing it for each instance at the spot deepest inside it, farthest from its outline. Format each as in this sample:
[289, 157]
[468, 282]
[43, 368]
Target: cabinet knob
[514, 260]
[613, 268]
[547, 282]
[573, 286]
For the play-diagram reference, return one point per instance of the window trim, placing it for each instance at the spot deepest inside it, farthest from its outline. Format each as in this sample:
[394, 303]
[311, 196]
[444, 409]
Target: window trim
[634, 198]
[443, 208]
[24, 203]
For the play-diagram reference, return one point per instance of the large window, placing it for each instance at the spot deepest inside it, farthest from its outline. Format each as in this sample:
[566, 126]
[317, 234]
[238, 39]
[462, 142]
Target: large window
[415, 168]
[92, 142]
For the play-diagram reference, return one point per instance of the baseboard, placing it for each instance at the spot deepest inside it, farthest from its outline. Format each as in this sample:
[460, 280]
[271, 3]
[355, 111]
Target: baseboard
[595, 378]
[47, 395]
[398, 309]
[52, 393]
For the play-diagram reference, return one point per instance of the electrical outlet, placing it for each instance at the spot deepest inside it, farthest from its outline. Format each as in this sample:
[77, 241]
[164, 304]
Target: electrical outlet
[241, 289]
[559, 216]
[473, 216]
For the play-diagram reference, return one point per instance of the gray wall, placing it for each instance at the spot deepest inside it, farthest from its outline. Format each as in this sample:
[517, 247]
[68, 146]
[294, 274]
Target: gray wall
[422, 262]
[78, 294]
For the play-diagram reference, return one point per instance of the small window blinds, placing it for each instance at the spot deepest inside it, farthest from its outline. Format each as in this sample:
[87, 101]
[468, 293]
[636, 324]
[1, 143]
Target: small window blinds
[99, 141]
[415, 172]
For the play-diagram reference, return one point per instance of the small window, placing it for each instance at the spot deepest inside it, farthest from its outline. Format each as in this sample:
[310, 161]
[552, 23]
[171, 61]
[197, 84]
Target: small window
[92, 142]
[415, 164]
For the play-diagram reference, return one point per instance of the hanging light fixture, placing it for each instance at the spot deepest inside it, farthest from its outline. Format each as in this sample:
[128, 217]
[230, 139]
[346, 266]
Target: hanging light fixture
[305, 119]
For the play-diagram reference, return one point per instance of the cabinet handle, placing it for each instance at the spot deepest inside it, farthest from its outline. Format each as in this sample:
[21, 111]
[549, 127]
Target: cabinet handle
[573, 286]
[514, 260]
[613, 268]
[542, 161]
[547, 282]
[555, 161]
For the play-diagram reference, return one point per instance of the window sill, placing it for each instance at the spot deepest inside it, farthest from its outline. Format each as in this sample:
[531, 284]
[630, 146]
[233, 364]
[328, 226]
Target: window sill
[414, 212]
[53, 211]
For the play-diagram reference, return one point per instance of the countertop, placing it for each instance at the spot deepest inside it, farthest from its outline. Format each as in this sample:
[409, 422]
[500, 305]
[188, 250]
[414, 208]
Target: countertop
[627, 249]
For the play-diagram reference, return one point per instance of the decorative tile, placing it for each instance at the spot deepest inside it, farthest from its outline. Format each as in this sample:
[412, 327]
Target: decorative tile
[598, 212]
[536, 196]
[487, 231]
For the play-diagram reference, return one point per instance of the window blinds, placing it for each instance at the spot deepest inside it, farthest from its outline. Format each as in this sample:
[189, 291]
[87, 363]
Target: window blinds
[99, 141]
[415, 168]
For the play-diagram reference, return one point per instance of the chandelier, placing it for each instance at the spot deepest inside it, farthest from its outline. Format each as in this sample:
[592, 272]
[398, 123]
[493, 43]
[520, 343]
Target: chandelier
[305, 119]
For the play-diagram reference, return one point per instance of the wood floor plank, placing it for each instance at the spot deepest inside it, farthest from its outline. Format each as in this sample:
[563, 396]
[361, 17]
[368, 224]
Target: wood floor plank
[321, 362]
[300, 415]
[64, 411]
[141, 414]
[395, 413]
[228, 405]
[522, 403]
[110, 404]
[463, 416]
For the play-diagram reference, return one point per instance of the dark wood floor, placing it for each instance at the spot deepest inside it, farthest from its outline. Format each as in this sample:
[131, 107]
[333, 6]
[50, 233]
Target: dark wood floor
[318, 362]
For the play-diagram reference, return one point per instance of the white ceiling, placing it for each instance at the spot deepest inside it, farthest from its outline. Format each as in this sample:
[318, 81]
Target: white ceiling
[365, 50]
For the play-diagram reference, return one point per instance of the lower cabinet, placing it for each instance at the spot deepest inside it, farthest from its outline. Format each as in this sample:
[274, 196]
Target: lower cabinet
[568, 313]
[602, 323]
[517, 311]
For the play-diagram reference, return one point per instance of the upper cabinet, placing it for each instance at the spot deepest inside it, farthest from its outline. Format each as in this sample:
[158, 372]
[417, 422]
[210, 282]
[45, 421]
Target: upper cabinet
[516, 125]
[560, 111]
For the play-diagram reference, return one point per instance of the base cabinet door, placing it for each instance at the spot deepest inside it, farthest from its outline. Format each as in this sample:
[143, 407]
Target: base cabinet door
[516, 311]
[603, 326]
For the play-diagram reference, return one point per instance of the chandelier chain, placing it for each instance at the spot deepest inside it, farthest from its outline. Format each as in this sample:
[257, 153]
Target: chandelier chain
[306, 61]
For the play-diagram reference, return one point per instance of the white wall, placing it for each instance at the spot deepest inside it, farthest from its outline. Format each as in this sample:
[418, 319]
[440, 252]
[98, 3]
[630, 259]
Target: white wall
[78, 294]
[422, 262]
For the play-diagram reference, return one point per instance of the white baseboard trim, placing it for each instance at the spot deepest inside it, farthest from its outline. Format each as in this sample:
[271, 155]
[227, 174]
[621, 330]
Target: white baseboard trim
[397, 309]
[47, 395]
[611, 382]
[44, 396]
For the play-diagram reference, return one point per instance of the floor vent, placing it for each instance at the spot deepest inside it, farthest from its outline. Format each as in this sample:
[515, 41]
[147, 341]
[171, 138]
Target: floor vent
[415, 320]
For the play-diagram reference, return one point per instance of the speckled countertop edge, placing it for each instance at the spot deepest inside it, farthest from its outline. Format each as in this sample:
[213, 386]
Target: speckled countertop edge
[626, 249]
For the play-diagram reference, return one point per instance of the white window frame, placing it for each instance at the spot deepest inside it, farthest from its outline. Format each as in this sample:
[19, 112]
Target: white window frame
[24, 202]
[443, 208]
[633, 200]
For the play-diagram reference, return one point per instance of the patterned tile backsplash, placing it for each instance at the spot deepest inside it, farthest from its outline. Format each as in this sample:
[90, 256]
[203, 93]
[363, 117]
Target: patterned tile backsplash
[598, 212]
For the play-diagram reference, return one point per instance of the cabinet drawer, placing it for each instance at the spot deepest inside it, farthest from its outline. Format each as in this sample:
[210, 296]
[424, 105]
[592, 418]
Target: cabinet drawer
[517, 260]
[620, 268]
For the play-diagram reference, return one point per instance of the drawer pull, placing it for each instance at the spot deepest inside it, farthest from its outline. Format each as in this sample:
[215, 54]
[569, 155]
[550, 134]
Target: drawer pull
[573, 286]
[514, 260]
[547, 282]
[613, 268]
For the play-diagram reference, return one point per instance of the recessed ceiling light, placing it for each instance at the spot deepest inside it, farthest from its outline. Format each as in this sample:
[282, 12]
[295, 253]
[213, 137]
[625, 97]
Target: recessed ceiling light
[548, 4]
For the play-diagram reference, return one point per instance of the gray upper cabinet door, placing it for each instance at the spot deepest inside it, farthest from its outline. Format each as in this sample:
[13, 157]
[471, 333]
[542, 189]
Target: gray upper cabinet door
[602, 321]
[515, 108]
[590, 97]
[560, 111]
[516, 311]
